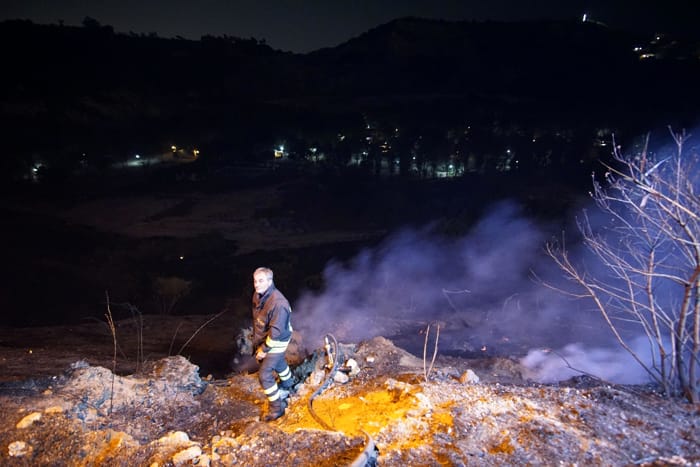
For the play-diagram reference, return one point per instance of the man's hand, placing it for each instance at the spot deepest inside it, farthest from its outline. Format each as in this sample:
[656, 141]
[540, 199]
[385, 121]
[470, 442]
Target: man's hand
[260, 354]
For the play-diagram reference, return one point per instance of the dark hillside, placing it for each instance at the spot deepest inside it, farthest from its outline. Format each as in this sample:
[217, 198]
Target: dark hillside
[73, 89]
[92, 88]
[532, 59]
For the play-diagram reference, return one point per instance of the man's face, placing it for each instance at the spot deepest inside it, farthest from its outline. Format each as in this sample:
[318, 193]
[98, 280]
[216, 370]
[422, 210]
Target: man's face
[261, 282]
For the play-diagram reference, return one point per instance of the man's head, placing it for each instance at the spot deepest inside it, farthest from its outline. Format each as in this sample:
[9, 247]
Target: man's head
[262, 280]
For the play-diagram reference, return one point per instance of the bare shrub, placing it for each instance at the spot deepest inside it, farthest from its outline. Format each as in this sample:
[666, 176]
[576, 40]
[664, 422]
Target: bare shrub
[649, 255]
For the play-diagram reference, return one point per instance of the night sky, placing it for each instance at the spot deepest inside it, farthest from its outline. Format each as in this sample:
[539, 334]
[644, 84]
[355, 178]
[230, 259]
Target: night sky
[306, 25]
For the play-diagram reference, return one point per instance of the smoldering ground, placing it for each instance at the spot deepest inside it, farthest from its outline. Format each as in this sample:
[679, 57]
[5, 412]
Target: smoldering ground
[484, 290]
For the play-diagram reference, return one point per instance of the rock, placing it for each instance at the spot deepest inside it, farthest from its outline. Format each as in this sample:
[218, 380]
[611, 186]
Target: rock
[221, 445]
[354, 367]
[176, 438]
[79, 364]
[53, 409]
[29, 420]
[469, 377]
[205, 460]
[180, 374]
[410, 361]
[185, 456]
[317, 377]
[18, 449]
[340, 377]
[448, 372]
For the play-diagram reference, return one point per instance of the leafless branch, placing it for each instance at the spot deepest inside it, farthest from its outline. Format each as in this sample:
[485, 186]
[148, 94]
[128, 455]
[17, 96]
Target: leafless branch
[426, 372]
[113, 329]
[650, 257]
[179, 352]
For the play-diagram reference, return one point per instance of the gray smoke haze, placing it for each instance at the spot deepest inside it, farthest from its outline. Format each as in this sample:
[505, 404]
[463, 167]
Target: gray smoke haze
[479, 288]
[612, 364]
[417, 276]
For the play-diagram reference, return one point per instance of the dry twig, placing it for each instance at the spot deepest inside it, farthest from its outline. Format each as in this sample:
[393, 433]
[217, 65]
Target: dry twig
[426, 372]
[112, 328]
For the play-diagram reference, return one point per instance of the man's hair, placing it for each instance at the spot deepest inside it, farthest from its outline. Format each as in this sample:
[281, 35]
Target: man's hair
[266, 271]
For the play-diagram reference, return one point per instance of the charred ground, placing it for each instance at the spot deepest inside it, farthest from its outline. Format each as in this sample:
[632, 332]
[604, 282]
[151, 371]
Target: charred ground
[477, 412]
[67, 399]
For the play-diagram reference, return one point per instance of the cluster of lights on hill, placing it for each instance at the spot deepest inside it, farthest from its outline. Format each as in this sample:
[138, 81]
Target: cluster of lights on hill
[660, 46]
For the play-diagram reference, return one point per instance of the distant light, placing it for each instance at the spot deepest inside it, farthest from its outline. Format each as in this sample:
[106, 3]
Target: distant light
[181, 258]
[138, 156]
[585, 17]
[173, 147]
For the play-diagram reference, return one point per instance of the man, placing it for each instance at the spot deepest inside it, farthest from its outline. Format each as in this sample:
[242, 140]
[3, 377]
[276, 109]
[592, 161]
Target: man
[272, 331]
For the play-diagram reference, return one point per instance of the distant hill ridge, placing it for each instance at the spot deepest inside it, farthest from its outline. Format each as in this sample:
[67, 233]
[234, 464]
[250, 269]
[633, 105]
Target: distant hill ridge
[489, 49]
[424, 37]
[90, 82]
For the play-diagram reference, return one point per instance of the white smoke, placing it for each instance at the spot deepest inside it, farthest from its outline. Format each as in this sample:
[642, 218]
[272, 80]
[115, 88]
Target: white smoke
[613, 364]
[479, 288]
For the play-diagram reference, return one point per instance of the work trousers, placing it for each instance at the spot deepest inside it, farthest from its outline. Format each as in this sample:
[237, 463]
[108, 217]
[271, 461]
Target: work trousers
[271, 364]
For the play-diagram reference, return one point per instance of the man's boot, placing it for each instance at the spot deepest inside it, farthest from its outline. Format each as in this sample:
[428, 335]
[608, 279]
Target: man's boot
[275, 410]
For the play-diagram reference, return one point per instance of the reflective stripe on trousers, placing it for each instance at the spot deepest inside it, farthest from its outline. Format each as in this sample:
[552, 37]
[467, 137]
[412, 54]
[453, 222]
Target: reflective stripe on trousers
[271, 364]
[285, 374]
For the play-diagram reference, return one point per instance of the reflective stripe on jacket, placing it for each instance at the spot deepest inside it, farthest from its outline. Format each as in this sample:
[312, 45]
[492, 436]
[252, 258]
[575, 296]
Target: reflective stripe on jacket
[272, 325]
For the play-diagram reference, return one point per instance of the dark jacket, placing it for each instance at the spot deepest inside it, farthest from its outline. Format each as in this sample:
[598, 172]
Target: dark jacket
[272, 325]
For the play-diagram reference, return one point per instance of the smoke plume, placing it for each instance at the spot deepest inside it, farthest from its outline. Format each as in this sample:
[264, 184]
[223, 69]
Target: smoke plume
[480, 289]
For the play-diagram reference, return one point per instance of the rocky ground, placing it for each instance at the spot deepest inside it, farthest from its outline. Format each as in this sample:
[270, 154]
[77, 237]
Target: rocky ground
[392, 408]
[156, 390]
